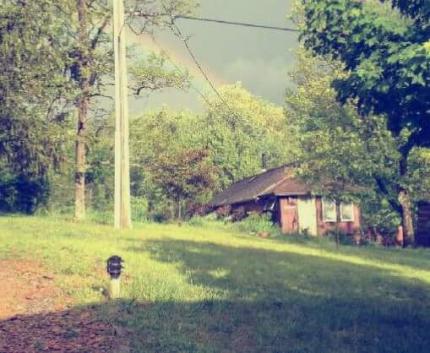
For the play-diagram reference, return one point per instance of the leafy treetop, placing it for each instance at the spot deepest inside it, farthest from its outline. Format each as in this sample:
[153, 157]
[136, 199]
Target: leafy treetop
[386, 46]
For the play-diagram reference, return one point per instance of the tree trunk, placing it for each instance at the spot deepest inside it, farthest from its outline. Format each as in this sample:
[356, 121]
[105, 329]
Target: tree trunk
[405, 202]
[83, 104]
[179, 210]
[407, 217]
[80, 157]
[338, 220]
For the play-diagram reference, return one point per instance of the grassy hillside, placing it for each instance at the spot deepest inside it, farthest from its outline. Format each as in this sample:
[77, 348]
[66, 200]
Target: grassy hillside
[206, 289]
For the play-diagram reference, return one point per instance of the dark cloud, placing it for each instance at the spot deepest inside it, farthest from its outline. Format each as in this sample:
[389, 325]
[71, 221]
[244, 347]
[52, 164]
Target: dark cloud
[259, 58]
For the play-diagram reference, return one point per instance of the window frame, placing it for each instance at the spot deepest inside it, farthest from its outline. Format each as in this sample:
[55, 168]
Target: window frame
[342, 206]
[325, 203]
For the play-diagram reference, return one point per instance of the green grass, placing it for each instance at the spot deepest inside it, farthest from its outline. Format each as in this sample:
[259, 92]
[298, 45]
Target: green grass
[210, 289]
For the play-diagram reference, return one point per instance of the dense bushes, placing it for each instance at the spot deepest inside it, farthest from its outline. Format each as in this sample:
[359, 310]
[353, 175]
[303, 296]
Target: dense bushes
[260, 224]
[24, 194]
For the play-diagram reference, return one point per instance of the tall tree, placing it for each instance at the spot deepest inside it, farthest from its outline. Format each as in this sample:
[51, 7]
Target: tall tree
[33, 90]
[340, 153]
[235, 134]
[185, 176]
[92, 64]
[83, 78]
[245, 133]
[385, 46]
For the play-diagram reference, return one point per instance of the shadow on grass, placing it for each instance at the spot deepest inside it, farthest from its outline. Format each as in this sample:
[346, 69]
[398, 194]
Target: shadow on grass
[285, 302]
[298, 324]
[77, 330]
[258, 301]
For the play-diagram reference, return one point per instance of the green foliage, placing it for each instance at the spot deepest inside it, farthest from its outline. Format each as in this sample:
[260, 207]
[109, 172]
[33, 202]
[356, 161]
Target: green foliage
[258, 224]
[32, 125]
[139, 208]
[33, 91]
[186, 175]
[378, 214]
[154, 73]
[22, 193]
[241, 130]
[167, 154]
[385, 48]
[387, 55]
[181, 159]
[209, 220]
[100, 216]
[52, 61]
[342, 154]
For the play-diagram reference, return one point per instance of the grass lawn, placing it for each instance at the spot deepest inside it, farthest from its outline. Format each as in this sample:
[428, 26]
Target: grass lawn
[208, 289]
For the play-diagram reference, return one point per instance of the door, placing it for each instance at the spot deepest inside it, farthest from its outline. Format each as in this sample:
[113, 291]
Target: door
[307, 209]
[289, 215]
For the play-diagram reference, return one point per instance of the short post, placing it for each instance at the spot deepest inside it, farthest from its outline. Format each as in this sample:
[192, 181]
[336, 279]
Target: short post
[113, 268]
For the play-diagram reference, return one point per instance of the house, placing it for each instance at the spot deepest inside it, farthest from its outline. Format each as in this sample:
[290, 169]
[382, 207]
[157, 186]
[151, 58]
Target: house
[291, 202]
[422, 237]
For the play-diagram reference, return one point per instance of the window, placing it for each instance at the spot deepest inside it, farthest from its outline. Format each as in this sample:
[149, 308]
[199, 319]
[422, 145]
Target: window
[347, 212]
[329, 210]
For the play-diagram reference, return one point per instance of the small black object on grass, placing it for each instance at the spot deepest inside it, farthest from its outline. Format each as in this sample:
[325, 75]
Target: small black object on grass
[114, 266]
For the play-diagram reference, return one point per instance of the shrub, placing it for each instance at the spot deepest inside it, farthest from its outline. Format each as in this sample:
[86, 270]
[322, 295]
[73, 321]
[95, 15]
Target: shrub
[200, 221]
[139, 209]
[22, 193]
[256, 223]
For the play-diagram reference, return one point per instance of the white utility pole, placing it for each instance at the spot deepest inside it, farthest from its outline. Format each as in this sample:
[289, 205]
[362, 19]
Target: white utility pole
[122, 164]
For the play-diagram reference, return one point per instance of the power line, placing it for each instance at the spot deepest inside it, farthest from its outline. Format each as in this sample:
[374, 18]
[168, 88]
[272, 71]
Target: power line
[196, 61]
[234, 23]
[199, 66]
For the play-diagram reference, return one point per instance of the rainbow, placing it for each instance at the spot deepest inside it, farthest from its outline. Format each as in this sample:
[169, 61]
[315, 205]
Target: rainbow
[149, 44]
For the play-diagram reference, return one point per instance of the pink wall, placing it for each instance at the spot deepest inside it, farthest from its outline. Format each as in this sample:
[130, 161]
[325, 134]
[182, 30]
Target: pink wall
[346, 227]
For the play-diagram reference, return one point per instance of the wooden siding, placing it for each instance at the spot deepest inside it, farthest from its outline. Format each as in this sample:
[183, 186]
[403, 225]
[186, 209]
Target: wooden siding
[346, 227]
[423, 224]
[288, 218]
[286, 214]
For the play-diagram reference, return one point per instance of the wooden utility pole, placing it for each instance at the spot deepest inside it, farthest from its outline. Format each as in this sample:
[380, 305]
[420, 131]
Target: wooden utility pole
[122, 166]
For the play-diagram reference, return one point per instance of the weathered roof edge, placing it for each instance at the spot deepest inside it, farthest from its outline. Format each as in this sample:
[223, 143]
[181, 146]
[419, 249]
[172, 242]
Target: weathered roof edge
[259, 185]
[271, 187]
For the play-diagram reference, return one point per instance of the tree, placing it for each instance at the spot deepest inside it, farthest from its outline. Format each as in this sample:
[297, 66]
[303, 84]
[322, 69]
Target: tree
[33, 92]
[91, 67]
[245, 133]
[235, 135]
[385, 47]
[154, 73]
[159, 140]
[187, 175]
[72, 34]
[339, 153]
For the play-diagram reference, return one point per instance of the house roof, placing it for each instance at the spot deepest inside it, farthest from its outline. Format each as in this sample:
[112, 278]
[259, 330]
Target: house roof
[277, 182]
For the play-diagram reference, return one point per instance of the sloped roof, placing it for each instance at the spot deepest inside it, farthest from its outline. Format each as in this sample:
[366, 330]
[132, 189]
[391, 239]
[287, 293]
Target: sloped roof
[277, 182]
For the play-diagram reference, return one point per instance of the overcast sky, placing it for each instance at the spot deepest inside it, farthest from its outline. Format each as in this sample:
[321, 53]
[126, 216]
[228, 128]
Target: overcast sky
[259, 58]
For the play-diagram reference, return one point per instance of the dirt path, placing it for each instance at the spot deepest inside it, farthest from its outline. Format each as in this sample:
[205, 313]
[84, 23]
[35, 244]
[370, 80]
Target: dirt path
[35, 316]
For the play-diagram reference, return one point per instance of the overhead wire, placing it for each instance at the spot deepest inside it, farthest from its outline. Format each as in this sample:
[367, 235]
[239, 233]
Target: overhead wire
[185, 40]
[235, 23]
[177, 31]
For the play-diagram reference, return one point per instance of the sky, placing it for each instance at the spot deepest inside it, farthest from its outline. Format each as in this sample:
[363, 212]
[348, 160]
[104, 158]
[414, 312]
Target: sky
[258, 58]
